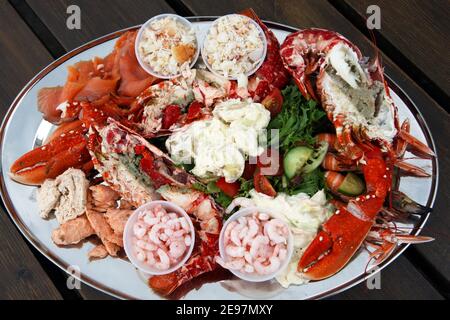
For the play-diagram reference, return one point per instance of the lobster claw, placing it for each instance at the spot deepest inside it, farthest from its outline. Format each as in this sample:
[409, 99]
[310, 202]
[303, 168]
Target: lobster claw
[334, 245]
[319, 247]
[53, 158]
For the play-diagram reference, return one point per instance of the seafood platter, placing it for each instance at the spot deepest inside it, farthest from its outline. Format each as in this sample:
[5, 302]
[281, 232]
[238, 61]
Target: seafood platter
[218, 158]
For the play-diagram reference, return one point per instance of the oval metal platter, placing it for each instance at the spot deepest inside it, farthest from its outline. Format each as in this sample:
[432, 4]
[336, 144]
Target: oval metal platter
[23, 128]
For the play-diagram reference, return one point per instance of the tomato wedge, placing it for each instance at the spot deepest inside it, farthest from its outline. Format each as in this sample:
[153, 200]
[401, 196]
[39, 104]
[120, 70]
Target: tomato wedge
[171, 114]
[270, 161]
[273, 102]
[230, 189]
[194, 110]
[263, 185]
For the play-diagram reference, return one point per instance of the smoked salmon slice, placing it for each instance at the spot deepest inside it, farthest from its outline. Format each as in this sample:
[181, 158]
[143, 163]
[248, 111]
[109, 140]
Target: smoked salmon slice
[134, 79]
[48, 98]
[95, 89]
[118, 76]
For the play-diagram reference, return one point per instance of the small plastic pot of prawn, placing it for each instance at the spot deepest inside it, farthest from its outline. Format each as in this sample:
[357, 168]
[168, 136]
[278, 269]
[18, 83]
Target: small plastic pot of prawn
[254, 245]
[159, 237]
[163, 42]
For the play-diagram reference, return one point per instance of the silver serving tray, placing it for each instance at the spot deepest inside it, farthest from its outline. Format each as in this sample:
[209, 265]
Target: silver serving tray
[23, 129]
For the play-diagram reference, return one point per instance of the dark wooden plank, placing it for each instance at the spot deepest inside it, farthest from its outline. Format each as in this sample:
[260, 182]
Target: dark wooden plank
[304, 14]
[419, 30]
[90, 293]
[265, 9]
[97, 18]
[22, 56]
[393, 286]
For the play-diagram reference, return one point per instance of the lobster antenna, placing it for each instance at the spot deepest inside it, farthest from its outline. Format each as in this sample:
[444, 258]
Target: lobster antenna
[373, 42]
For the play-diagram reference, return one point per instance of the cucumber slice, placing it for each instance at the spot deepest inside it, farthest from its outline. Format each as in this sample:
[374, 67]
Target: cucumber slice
[295, 159]
[352, 185]
[316, 158]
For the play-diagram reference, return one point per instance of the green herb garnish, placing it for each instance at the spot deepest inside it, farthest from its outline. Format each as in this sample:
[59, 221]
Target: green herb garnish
[298, 121]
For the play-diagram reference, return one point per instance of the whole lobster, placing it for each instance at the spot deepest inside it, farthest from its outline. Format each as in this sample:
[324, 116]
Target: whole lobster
[356, 98]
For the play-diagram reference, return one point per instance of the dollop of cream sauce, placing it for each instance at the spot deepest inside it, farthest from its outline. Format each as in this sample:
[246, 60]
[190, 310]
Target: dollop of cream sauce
[219, 146]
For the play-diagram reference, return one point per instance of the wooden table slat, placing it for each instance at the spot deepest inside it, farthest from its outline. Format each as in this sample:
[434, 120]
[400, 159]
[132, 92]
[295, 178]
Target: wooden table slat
[399, 280]
[22, 57]
[419, 31]
[96, 19]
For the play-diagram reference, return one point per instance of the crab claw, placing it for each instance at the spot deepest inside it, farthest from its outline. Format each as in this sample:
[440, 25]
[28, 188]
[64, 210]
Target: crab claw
[52, 159]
